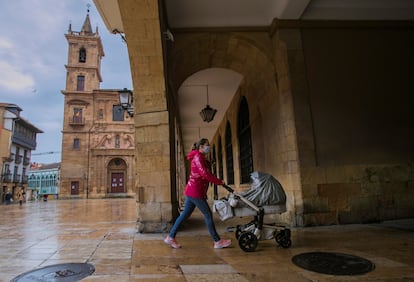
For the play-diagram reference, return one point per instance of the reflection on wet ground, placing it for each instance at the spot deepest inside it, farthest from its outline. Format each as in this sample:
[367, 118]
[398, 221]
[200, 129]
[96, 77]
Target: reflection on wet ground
[103, 233]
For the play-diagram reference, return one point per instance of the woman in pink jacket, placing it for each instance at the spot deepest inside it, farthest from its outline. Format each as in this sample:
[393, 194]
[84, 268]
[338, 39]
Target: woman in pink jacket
[196, 195]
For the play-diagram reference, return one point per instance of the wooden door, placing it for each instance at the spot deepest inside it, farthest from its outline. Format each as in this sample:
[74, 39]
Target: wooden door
[74, 188]
[117, 182]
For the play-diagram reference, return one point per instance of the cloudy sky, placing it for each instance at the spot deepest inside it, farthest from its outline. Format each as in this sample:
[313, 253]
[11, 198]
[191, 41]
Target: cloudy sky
[33, 54]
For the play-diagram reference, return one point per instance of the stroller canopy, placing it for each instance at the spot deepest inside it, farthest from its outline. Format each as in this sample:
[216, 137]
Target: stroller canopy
[265, 190]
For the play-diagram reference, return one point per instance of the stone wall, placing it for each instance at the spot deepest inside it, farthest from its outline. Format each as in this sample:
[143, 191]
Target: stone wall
[353, 119]
[358, 194]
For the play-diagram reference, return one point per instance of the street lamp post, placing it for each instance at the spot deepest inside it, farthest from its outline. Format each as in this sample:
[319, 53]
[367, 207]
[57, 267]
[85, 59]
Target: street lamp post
[126, 100]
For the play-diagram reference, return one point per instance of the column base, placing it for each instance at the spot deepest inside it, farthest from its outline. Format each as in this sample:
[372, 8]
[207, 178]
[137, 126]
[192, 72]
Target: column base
[153, 227]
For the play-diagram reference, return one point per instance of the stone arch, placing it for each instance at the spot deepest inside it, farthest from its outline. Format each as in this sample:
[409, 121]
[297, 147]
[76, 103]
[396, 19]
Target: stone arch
[192, 52]
[240, 52]
[252, 55]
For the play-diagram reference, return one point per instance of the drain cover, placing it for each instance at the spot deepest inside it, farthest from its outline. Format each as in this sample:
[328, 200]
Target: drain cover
[333, 263]
[68, 272]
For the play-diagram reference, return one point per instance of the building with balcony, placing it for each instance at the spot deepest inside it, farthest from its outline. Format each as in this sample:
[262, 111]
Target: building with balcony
[17, 141]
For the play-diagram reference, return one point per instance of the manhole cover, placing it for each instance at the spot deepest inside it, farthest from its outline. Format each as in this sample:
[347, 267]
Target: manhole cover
[57, 272]
[333, 263]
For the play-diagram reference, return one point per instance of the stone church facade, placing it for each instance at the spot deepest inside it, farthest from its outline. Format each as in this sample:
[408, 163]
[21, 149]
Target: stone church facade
[98, 135]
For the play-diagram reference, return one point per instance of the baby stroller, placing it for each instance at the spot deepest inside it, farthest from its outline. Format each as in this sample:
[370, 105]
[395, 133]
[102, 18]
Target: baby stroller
[266, 196]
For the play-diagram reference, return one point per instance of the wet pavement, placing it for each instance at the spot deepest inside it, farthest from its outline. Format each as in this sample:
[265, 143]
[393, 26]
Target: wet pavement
[103, 233]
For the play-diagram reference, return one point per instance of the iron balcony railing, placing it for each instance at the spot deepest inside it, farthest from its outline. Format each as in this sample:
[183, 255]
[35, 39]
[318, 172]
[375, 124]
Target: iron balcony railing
[6, 178]
[16, 178]
[24, 179]
[77, 121]
[18, 159]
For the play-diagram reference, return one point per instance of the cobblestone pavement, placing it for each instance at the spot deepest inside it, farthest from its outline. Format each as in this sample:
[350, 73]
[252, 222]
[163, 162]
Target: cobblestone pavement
[103, 233]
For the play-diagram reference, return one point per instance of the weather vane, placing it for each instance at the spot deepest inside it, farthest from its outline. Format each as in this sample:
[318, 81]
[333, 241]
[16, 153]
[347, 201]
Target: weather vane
[88, 5]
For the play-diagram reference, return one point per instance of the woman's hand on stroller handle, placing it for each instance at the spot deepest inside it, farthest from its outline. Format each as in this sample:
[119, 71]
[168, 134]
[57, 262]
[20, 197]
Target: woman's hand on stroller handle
[228, 188]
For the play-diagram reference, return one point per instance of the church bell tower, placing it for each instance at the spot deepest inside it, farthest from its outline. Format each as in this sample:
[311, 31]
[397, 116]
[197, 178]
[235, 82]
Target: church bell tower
[84, 59]
[83, 77]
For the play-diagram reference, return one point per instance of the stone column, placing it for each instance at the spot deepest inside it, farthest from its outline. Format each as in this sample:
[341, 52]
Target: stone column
[152, 165]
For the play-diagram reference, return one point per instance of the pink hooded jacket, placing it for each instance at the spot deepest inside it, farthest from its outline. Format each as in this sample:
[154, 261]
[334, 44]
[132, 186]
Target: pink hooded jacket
[200, 176]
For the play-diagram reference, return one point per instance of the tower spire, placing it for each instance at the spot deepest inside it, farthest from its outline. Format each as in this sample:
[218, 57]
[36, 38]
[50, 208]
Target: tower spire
[87, 28]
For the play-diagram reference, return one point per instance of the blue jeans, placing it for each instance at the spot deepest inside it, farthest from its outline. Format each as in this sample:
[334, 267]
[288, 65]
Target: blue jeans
[189, 206]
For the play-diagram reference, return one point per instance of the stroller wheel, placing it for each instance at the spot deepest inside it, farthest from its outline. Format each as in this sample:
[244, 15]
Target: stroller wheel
[239, 230]
[248, 241]
[283, 238]
[286, 243]
[278, 237]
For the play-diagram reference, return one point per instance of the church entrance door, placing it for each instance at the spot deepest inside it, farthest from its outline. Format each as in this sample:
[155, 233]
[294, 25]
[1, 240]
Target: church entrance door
[117, 183]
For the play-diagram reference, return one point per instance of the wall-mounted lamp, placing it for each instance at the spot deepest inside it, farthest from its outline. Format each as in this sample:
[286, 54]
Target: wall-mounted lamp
[116, 31]
[208, 113]
[126, 100]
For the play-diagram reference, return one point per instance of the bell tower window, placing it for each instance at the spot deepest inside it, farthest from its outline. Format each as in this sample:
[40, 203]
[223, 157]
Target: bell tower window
[80, 86]
[82, 55]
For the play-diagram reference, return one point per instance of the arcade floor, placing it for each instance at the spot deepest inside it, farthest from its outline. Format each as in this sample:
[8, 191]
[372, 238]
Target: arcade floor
[102, 233]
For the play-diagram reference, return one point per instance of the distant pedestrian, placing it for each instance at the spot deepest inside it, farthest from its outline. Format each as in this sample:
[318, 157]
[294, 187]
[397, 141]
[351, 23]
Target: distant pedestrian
[20, 196]
[8, 198]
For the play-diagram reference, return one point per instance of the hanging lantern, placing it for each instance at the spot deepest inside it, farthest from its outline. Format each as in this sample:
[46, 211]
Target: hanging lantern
[208, 113]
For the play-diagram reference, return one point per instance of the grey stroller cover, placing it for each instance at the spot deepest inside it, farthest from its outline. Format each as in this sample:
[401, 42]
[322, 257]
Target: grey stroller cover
[265, 190]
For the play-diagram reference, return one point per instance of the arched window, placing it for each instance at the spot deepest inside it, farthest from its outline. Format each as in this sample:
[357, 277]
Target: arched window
[245, 142]
[82, 55]
[220, 159]
[229, 155]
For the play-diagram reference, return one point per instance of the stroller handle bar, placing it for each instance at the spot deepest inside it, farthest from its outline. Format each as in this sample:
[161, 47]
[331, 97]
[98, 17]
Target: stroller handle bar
[228, 188]
[250, 204]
